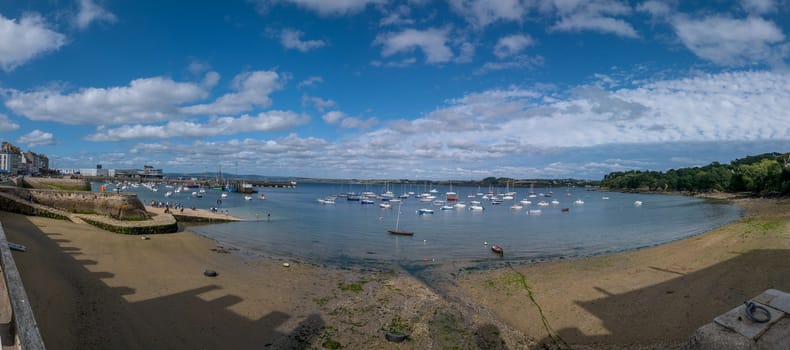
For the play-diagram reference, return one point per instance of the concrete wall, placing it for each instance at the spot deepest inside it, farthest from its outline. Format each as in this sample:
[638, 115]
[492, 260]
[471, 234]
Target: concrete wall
[122, 206]
[18, 327]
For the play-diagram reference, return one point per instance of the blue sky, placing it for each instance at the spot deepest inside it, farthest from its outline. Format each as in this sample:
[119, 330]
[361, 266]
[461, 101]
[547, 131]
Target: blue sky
[419, 89]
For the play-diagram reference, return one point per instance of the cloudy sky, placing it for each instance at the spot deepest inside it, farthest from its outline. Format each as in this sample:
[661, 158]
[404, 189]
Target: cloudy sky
[428, 89]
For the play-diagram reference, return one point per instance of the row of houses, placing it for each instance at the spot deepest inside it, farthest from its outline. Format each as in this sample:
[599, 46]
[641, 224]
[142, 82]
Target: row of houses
[15, 162]
[148, 172]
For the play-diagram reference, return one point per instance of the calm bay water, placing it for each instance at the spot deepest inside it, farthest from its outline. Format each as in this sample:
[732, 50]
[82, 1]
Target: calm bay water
[301, 227]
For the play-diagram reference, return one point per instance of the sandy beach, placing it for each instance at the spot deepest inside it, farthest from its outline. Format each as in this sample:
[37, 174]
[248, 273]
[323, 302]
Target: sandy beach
[92, 289]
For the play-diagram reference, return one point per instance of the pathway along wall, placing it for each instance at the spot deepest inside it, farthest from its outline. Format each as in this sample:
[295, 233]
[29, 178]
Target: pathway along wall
[121, 206]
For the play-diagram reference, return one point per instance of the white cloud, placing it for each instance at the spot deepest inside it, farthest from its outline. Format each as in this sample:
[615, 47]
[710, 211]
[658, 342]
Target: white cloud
[348, 122]
[252, 90]
[466, 54]
[408, 61]
[397, 17]
[655, 8]
[197, 68]
[274, 154]
[326, 7]
[595, 15]
[292, 39]
[264, 122]
[25, 39]
[357, 123]
[499, 124]
[581, 22]
[509, 131]
[481, 13]
[759, 7]
[143, 100]
[516, 62]
[728, 41]
[319, 103]
[89, 13]
[512, 44]
[7, 124]
[432, 42]
[311, 81]
[37, 138]
[333, 117]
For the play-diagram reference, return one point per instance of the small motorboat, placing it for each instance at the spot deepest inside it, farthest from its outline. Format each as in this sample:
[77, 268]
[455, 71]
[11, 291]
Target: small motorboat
[497, 249]
[424, 211]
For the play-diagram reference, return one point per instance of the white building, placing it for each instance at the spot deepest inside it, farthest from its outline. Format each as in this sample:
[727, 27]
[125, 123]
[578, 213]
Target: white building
[11, 159]
[94, 172]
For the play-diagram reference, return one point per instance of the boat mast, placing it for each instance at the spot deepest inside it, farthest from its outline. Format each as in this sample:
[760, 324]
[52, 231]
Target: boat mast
[397, 220]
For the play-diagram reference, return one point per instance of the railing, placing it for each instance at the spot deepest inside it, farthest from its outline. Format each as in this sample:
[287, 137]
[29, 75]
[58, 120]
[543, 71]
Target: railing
[22, 330]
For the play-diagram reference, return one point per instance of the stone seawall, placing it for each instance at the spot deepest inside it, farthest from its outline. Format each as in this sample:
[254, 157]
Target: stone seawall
[49, 183]
[121, 206]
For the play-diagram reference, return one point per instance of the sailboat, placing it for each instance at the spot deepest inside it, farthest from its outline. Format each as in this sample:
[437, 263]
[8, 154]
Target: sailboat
[451, 196]
[397, 230]
[532, 191]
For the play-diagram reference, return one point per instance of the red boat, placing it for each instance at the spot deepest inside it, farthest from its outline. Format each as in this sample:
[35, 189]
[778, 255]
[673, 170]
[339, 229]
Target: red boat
[497, 249]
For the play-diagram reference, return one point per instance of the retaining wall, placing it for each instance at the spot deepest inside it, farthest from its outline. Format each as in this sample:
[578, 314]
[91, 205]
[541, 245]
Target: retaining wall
[121, 206]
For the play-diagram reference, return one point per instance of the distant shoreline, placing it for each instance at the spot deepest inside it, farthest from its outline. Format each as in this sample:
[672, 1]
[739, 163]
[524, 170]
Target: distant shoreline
[705, 195]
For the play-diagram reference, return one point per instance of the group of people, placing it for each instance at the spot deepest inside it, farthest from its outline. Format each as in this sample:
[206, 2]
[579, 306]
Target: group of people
[217, 210]
[168, 206]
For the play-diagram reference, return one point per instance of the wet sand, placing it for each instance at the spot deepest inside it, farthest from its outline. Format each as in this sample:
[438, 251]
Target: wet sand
[651, 298]
[92, 289]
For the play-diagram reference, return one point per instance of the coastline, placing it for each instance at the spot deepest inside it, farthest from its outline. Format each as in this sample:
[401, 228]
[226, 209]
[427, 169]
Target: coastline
[193, 215]
[651, 298]
[124, 292]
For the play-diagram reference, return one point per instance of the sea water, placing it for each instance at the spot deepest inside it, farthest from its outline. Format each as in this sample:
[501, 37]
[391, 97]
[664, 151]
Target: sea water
[291, 223]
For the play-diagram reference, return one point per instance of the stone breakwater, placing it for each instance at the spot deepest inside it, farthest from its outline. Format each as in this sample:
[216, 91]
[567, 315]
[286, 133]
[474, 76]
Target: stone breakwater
[153, 222]
[48, 183]
[115, 212]
[120, 206]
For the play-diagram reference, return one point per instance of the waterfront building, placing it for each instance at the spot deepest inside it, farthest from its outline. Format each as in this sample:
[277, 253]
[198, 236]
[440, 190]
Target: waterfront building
[35, 164]
[10, 159]
[150, 172]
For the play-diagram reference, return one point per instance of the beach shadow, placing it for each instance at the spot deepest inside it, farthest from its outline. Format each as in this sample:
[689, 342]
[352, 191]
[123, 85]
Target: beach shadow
[488, 336]
[76, 309]
[658, 313]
